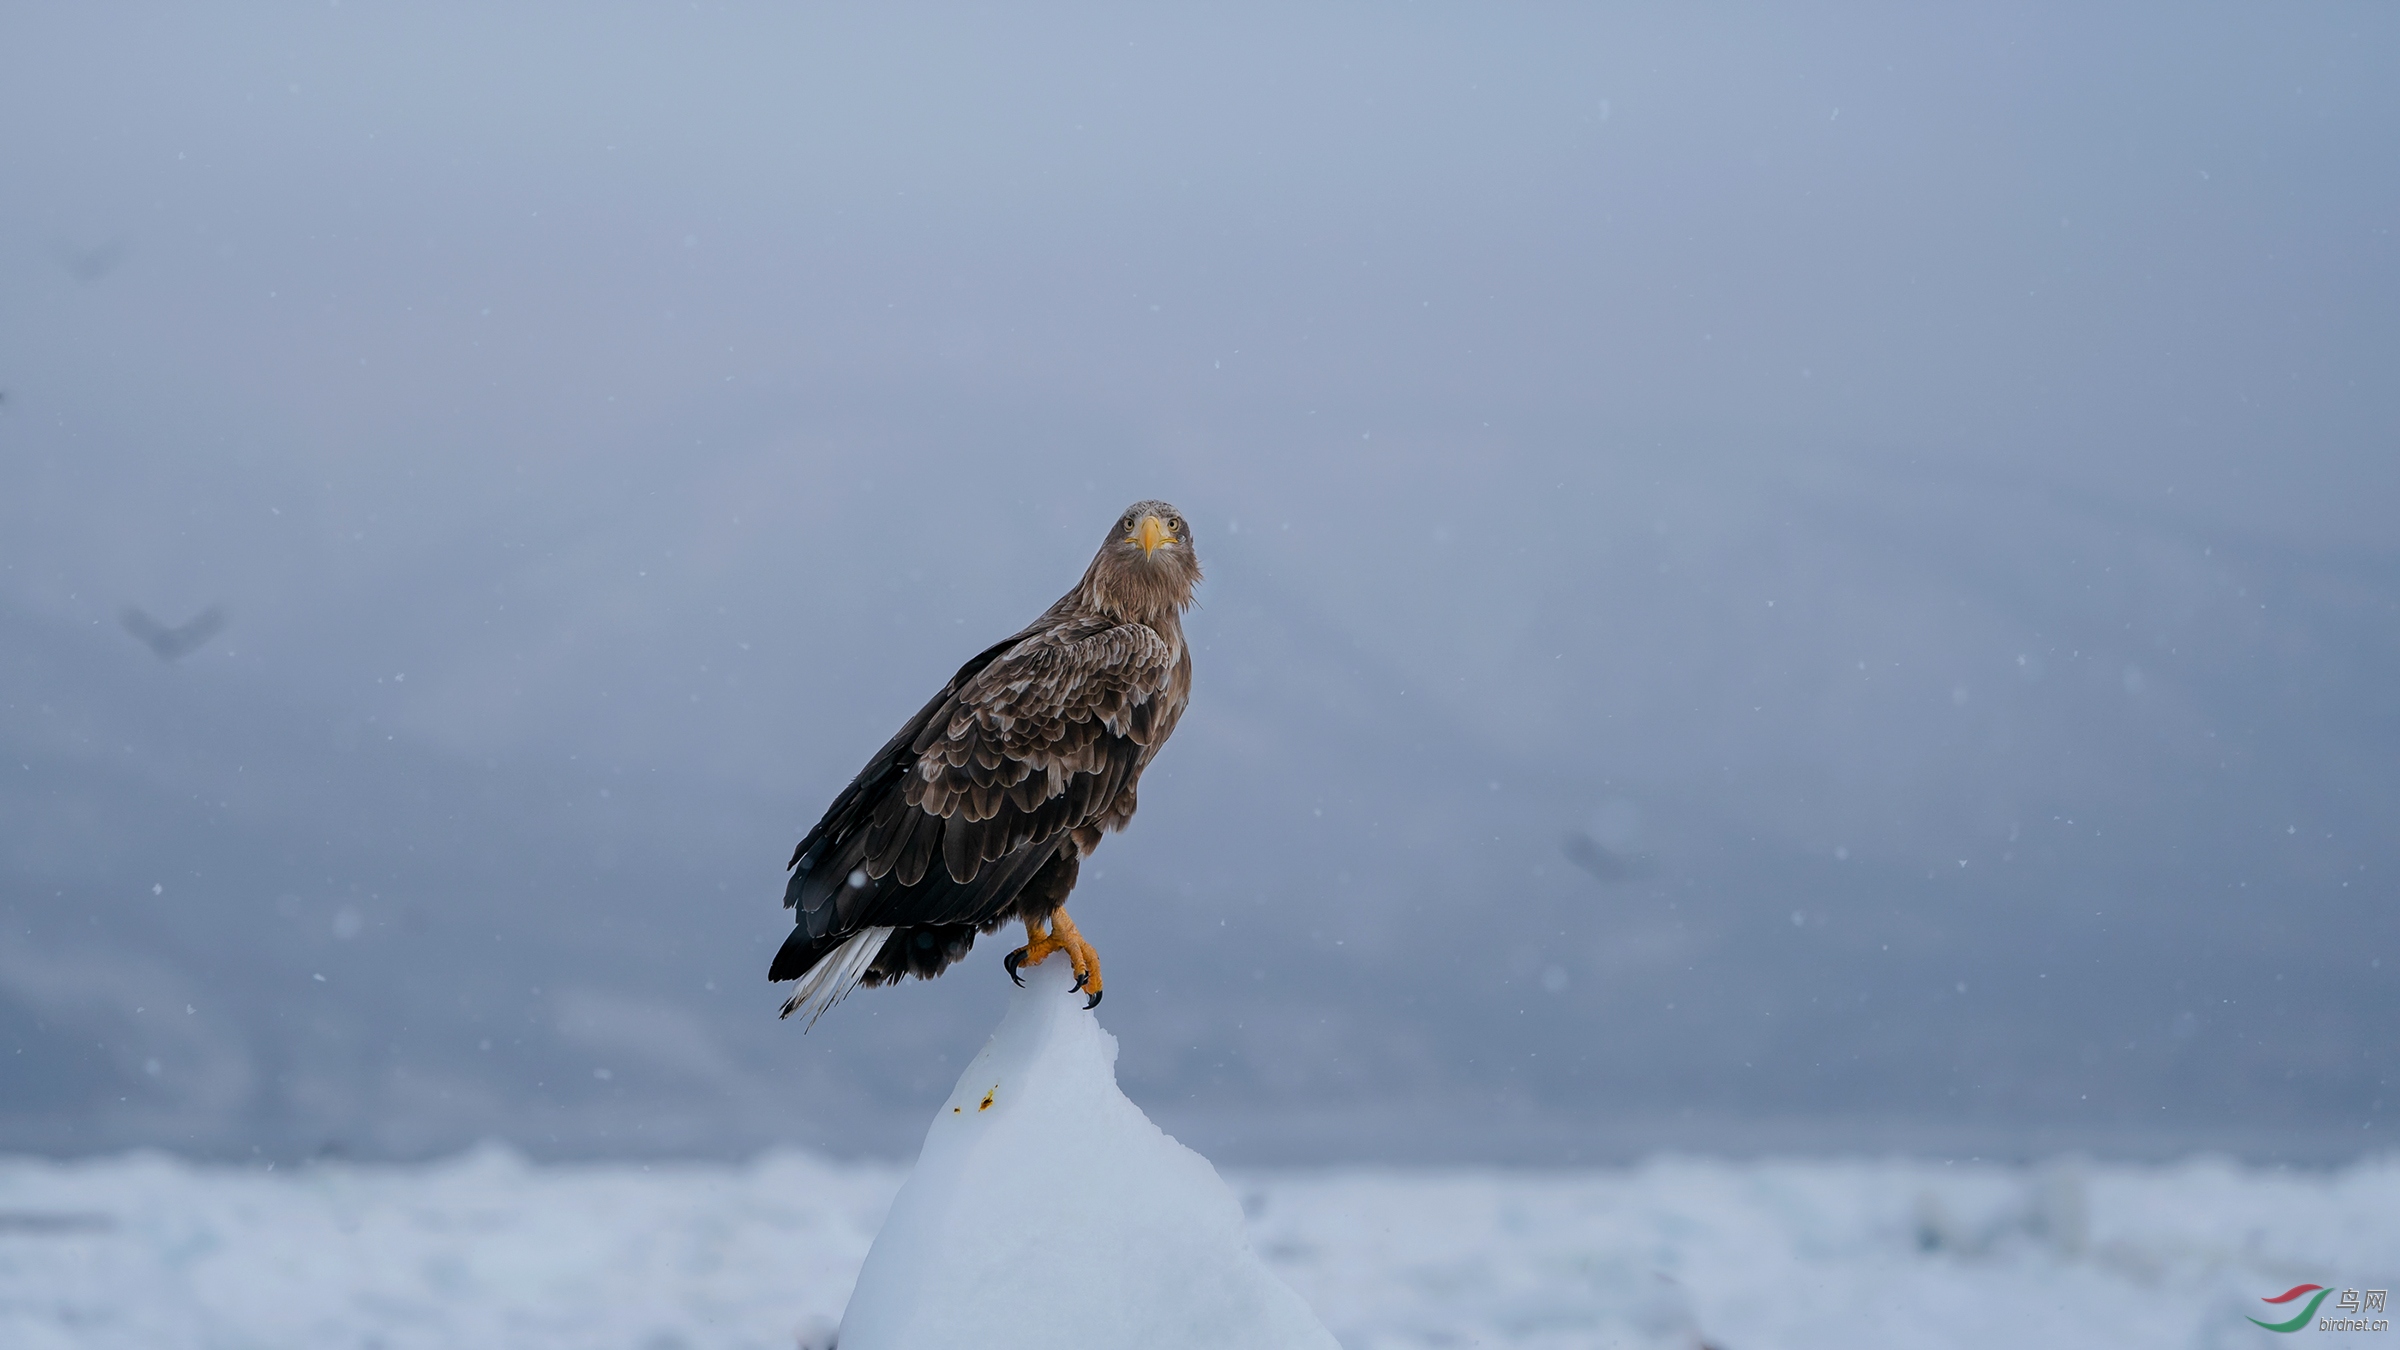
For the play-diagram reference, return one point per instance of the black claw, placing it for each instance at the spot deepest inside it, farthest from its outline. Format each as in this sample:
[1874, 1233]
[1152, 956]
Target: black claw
[1082, 978]
[1092, 1002]
[1011, 962]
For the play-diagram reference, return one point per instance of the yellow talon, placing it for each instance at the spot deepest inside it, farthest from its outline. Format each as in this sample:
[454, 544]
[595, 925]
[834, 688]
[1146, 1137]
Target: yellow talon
[1062, 937]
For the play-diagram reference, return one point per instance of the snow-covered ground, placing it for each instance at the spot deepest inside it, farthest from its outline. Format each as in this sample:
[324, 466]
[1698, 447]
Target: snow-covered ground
[488, 1250]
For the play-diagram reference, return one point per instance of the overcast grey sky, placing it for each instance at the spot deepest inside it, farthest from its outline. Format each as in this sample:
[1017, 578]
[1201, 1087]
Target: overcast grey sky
[1793, 579]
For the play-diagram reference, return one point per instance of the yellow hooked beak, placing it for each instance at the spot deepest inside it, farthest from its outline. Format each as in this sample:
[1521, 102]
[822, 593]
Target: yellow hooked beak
[1150, 534]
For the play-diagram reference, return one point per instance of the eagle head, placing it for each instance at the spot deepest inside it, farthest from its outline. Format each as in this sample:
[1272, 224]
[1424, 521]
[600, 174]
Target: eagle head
[1146, 565]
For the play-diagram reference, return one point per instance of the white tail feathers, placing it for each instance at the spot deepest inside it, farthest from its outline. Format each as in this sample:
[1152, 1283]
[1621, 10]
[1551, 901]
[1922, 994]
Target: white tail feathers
[830, 981]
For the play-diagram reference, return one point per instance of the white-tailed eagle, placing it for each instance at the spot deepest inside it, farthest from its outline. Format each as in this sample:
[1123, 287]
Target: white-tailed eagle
[985, 804]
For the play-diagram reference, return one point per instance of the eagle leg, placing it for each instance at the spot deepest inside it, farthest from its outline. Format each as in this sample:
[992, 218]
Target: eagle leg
[1062, 937]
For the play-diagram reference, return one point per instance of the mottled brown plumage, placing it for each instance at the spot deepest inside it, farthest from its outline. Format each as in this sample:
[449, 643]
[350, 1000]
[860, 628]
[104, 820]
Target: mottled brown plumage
[984, 805]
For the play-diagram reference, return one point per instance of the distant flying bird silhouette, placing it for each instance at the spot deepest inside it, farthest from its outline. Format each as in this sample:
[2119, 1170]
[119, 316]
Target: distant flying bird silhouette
[174, 643]
[1603, 862]
[88, 265]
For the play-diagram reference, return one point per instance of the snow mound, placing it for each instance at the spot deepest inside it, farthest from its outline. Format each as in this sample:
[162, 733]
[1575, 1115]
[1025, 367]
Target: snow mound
[1047, 1210]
